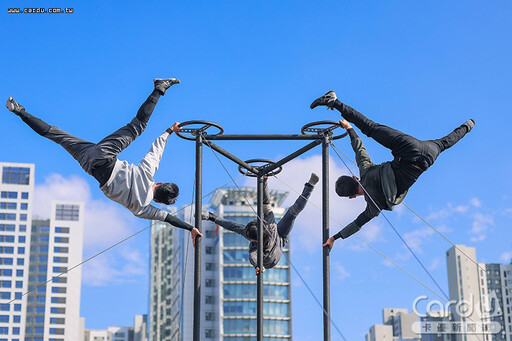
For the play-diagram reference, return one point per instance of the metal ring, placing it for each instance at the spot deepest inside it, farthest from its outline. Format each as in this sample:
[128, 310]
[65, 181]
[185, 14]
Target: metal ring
[195, 131]
[267, 161]
[309, 128]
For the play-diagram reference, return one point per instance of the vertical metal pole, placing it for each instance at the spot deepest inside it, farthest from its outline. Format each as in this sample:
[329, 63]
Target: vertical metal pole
[259, 290]
[325, 236]
[197, 250]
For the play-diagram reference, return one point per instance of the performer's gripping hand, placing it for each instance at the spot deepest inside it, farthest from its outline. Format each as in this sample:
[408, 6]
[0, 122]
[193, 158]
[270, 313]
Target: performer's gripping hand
[193, 234]
[329, 243]
[258, 270]
[174, 128]
[344, 124]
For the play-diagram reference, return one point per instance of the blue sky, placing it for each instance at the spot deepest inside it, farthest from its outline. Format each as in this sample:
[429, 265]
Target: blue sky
[255, 68]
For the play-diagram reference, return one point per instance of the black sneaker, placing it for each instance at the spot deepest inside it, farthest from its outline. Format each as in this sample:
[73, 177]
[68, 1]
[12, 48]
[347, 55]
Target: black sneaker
[164, 84]
[14, 106]
[327, 100]
[469, 124]
[208, 216]
[313, 180]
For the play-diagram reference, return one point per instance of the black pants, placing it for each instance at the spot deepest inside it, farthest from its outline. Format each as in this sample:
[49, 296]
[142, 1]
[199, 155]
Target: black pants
[411, 156]
[97, 159]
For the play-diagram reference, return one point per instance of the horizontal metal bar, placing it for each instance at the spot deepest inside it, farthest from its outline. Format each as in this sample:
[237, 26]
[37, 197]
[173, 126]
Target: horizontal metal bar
[292, 156]
[262, 137]
[232, 157]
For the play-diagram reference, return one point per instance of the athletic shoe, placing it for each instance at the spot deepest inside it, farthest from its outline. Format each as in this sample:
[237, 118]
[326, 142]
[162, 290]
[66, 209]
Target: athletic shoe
[469, 124]
[164, 84]
[313, 180]
[327, 100]
[14, 106]
[208, 216]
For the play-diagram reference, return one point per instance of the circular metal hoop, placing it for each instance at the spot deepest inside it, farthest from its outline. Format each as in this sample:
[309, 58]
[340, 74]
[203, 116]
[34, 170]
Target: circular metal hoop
[267, 163]
[312, 129]
[196, 131]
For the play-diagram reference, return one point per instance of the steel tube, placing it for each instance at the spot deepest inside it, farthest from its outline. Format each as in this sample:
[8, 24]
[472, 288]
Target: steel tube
[261, 137]
[197, 249]
[259, 289]
[292, 156]
[232, 157]
[325, 236]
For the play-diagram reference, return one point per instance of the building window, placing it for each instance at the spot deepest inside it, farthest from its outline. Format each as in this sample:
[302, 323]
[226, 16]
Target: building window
[208, 333]
[209, 266]
[60, 259]
[209, 300]
[7, 216]
[59, 280]
[8, 195]
[60, 249]
[55, 310]
[16, 175]
[8, 205]
[7, 227]
[59, 290]
[58, 300]
[23, 228]
[64, 240]
[209, 283]
[67, 212]
[24, 195]
[62, 229]
[6, 239]
[6, 249]
[23, 217]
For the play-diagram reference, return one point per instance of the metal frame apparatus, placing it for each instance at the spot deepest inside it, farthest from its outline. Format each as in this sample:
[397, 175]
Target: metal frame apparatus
[320, 132]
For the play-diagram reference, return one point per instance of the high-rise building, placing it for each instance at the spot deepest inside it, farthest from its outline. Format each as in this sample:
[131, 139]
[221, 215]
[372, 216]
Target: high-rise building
[53, 303]
[468, 287]
[115, 333]
[33, 253]
[16, 192]
[499, 284]
[397, 325]
[166, 278]
[228, 295]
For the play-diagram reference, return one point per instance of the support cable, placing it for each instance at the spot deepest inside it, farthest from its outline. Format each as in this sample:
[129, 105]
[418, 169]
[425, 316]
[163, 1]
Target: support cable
[186, 258]
[275, 240]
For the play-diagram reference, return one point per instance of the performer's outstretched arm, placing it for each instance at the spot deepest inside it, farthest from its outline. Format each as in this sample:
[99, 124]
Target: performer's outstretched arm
[362, 158]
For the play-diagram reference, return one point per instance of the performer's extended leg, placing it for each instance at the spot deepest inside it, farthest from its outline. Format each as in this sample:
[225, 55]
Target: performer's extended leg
[401, 144]
[285, 225]
[73, 145]
[116, 142]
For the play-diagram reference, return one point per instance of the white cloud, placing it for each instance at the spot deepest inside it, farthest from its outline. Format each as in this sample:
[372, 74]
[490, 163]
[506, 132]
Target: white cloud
[480, 225]
[105, 223]
[124, 265]
[340, 273]
[416, 238]
[475, 202]
[435, 264]
[506, 257]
